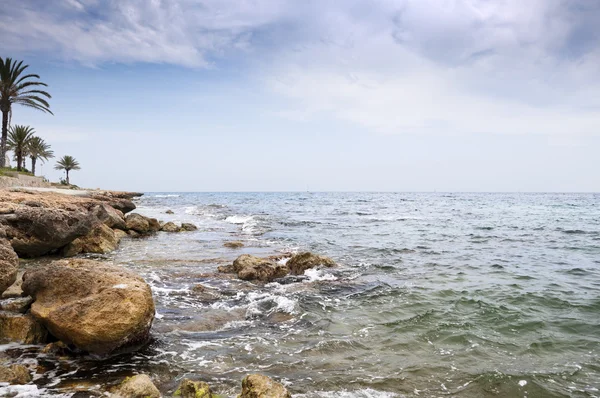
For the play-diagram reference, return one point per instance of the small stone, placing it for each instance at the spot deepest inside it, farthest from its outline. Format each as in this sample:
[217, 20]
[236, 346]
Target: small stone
[139, 386]
[260, 386]
[21, 328]
[170, 227]
[17, 304]
[14, 374]
[188, 227]
[302, 261]
[193, 389]
[233, 244]
[169, 212]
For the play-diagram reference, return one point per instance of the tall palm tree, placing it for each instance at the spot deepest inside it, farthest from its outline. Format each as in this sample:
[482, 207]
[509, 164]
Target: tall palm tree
[18, 88]
[38, 149]
[18, 142]
[67, 163]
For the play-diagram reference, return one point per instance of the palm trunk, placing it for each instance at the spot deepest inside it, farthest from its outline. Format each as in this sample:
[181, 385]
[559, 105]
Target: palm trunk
[33, 159]
[4, 137]
[24, 162]
[19, 160]
[68, 177]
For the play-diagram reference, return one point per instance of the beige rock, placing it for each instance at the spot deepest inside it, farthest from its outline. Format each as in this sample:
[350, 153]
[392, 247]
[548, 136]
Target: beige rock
[15, 289]
[138, 223]
[17, 304]
[21, 328]
[14, 374]
[302, 261]
[139, 386]
[260, 386]
[9, 263]
[99, 240]
[251, 268]
[97, 308]
[153, 224]
[119, 234]
[115, 219]
[186, 226]
[193, 389]
[170, 227]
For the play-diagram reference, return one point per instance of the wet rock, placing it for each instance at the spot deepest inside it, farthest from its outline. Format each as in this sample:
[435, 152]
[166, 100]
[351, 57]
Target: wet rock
[139, 386]
[169, 212]
[154, 224]
[35, 231]
[15, 289]
[97, 308]
[226, 269]
[251, 268]
[302, 261]
[193, 389]
[206, 294]
[116, 219]
[133, 233]
[137, 223]
[21, 328]
[57, 348]
[19, 304]
[170, 227]
[14, 374]
[9, 263]
[260, 386]
[233, 244]
[119, 234]
[188, 227]
[99, 240]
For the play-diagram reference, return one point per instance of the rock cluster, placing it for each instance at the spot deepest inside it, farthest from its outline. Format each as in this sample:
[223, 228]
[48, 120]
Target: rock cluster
[252, 268]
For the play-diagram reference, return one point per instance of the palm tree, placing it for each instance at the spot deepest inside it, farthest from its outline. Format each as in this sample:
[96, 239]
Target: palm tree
[38, 149]
[18, 88]
[67, 163]
[18, 142]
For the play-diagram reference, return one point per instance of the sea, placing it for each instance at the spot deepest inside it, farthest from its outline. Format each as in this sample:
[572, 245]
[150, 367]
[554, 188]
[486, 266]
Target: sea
[434, 295]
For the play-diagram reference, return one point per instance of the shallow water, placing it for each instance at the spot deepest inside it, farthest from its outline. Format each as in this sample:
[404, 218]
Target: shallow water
[469, 295]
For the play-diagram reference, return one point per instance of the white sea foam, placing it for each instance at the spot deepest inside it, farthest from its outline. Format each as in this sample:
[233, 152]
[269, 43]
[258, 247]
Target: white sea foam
[167, 196]
[267, 303]
[315, 275]
[365, 393]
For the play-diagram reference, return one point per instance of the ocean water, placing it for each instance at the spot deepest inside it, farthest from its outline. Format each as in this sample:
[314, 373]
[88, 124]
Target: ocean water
[464, 295]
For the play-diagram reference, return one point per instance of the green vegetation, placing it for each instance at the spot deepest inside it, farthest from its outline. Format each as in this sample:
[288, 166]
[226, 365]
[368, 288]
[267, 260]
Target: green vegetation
[12, 171]
[38, 149]
[18, 142]
[67, 163]
[18, 88]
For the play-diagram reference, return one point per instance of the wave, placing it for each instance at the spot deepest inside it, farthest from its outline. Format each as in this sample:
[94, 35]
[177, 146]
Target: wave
[363, 393]
[167, 196]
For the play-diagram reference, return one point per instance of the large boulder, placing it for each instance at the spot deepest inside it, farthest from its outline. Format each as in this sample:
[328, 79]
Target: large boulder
[21, 328]
[115, 218]
[101, 239]
[251, 268]
[193, 389]
[35, 231]
[97, 308]
[9, 263]
[260, 386]
[139, 386]
[302, 261]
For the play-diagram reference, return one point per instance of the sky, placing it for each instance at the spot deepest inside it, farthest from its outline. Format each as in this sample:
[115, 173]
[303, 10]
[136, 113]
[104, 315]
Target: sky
[319, 95]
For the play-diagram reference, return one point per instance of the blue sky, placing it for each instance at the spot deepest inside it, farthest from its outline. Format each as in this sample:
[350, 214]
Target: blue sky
[265, 95]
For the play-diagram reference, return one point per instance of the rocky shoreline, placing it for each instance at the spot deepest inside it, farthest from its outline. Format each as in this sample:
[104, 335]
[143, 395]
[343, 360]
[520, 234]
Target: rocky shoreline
[74, 306]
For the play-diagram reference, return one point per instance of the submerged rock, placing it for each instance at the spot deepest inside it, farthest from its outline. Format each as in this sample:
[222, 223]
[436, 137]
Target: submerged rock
[193, 389]
[260, 386]
[302, 261]
[97, 308]
[21, 328]
[233, 244]
[169, 212]
[101, 240]
[251, 268]
[170, 227]
[14, 374]
[8, 265]
[186, 226]
[139, 386]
